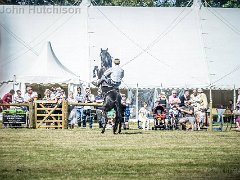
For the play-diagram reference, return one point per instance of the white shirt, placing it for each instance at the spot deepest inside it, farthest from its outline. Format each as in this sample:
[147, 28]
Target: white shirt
[116, 73]
[143, 113]
[27, 96]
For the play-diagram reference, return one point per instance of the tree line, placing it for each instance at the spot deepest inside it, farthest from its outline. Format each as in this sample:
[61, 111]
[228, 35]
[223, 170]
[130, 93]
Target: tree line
[131, 3]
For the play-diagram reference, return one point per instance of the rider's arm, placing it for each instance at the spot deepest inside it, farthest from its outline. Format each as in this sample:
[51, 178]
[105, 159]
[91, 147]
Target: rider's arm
[108, 72]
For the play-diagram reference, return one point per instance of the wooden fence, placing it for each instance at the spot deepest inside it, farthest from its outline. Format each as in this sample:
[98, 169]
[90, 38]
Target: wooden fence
[49, 114]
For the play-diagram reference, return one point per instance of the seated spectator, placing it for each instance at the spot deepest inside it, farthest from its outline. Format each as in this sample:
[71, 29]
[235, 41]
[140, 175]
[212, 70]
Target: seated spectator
[7, 98]
[184, 98]
[188, 116]
[31, 95]
[174, 99]
[162, 100]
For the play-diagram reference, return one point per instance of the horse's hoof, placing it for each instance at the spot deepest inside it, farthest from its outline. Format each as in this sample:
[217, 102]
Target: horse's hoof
[102, 132]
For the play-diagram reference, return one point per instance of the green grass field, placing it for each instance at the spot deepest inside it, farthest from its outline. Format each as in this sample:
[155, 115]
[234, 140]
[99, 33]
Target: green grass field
[134, 154]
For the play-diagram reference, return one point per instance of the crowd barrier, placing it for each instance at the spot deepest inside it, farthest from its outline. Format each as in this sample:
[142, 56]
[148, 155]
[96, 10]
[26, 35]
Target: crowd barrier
[43, 113]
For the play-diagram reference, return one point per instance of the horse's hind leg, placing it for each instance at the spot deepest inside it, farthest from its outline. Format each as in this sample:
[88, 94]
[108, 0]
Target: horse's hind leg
[118, 119]
[106, 121]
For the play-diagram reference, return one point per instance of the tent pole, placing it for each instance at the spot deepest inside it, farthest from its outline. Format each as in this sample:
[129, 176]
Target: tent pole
[137, 103]
[210, 107]
[234, 97]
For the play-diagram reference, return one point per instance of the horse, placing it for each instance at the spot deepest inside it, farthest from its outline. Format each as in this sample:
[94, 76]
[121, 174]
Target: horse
[111, 96]
[112, 100]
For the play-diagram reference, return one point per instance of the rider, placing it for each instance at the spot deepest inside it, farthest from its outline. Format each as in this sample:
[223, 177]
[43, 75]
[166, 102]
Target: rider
[112, 76]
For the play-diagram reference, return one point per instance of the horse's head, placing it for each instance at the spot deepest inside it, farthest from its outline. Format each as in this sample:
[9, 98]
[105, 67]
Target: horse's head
[106, 59]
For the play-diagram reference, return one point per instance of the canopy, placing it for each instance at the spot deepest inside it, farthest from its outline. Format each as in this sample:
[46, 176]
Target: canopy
[46, 69]
[158, 47]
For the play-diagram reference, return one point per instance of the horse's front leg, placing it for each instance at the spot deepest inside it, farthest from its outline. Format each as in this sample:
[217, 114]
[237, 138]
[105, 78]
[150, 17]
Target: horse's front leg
[106, 121]
[119, 125]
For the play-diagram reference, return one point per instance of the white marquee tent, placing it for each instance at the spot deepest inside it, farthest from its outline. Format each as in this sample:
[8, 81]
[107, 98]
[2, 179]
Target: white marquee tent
[159, 47]
[47, 69]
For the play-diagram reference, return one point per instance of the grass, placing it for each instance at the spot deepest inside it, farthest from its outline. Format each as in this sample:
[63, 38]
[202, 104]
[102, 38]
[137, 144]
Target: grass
[134, 154]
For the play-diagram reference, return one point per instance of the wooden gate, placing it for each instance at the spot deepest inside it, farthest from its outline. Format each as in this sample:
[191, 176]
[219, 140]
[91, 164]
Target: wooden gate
[50, 114]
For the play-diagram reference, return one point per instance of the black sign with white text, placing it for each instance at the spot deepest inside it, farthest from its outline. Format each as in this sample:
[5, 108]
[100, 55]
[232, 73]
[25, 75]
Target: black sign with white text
[14, 118]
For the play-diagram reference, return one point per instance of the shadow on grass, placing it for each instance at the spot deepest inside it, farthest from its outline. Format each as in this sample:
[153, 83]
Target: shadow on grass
[131, 132]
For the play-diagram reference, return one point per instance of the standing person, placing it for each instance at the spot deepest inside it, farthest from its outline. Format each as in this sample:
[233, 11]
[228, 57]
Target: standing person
[47, 95]
[99, 99]
[125, 111]
[8, 98]
[19, 99]
[79, 109]
[112, 76]
[143, 113]
[238, 98]
[87, 110]
[202, 108]
[184, 98]
[30, 95]
[72, 118]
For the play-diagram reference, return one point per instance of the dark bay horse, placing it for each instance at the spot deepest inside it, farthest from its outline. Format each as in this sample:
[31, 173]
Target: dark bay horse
[112, 97]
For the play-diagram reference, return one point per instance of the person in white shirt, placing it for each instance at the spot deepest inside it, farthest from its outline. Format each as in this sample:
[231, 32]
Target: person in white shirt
[143, 112]
[31, 95]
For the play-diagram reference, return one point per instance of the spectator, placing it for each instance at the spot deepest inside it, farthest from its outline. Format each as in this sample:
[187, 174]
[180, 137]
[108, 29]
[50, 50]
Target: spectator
[162, 100]
[79, 109]
[87, 110]
[30, 95]
[143, 113]
[174, 99]
[238, 99]
[125, 111]
[188, 116]
[8, 98]
[72, 118]
[99, 99]
[202, 105]
[194, 99]
[47, 94]
[19, 99]
[53, 93]
[184, 98]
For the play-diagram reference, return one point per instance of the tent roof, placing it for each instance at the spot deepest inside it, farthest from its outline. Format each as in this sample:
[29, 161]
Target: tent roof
[46, 69]
[168, 47]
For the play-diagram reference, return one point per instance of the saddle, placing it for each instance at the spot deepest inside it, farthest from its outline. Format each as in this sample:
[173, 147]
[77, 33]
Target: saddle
[106, 89]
